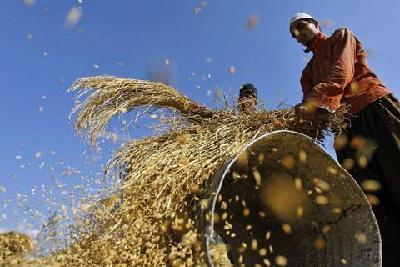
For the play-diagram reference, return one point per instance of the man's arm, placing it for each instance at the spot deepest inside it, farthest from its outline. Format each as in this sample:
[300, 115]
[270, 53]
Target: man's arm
[306, 78]
[327, 94]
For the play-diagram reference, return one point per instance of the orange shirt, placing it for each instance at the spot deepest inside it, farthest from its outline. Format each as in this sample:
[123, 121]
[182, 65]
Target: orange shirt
[338, 73]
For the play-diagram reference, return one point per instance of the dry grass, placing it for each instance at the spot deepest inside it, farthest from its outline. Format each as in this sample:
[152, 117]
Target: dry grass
[13, 247]
[111, 96]
[164, 176]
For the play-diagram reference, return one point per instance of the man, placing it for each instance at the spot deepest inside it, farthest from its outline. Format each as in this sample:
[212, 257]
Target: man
[369, 148]
[247, 100]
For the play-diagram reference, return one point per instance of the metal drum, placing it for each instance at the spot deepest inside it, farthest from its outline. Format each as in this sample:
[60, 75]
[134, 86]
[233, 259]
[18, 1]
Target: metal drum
[283, 201]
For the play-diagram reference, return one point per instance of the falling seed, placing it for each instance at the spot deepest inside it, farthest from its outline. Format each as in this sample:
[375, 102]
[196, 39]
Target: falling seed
[302, 156]
[240, 259]
[257, 177]
[288, 161]
[3, 189]
[267, 262]
[73, 16]
[18, 157]
[348, 164]
[281, 260]
[29, 2]
[319, 243]
[361, 238]
[281, 196]
[252, 22]
[318, 190]
[96, 66]
[362, 161]
[260, 158]
[298, 183]
[262, 214]
[371, 185]
[323, 185]
[321, 200]
[38, 154]
[153, 116]
[242, 249]
[242, 159]
[224, 216]
[358, 142]
[373, 200]
[331, 170]
[287, 228]
[299, 212]
[268, 235]
[231, 70]
[249, 227]
[326, 23]
[254, 244]
[246, 212]
[336, 210]
[218, 93]
[262, 252]
[340, 142]
[204, 203]
[325, 229]
[166, 62]
[343, 261]
[224, 205]
[235, 175]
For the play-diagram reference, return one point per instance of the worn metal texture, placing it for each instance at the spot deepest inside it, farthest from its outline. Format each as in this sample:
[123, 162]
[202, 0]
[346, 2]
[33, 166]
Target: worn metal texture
[284, 201]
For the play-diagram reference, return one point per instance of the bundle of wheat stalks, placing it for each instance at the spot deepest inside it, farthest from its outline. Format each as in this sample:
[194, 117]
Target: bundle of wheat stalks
[152, 222]
[13, 246]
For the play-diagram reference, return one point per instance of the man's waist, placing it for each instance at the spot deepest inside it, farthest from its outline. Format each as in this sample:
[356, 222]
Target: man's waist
[357, 102]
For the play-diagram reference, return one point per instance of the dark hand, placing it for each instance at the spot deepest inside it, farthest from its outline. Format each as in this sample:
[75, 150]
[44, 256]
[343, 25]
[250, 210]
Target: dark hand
[305, 111]
[202, 112]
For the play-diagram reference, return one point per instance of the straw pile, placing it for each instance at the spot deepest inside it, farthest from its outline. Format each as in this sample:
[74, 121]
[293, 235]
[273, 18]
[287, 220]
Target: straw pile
[13, 247]
[152, 221]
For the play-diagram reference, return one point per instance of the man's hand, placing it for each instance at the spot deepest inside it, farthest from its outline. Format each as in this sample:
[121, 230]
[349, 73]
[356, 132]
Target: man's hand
[201, 111]
[309, 112]
[305, 111]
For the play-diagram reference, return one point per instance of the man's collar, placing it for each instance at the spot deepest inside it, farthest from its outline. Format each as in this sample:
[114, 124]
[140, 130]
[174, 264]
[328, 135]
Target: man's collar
[316, 42]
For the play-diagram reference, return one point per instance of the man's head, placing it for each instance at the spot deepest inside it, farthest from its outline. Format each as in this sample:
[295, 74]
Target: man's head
[304, 28]
[247, 100]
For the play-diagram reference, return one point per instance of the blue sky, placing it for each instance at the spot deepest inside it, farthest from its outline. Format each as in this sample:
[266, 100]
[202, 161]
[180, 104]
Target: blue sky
[41, 54]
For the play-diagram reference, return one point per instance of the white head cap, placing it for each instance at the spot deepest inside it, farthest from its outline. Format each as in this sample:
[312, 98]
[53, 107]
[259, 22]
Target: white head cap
[298, 16]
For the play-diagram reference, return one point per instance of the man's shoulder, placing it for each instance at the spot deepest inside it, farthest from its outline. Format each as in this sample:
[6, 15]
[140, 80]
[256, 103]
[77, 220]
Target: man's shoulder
[341, 33]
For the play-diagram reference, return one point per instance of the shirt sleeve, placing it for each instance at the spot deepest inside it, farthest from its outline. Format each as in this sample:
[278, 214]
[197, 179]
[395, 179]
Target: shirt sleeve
[306, 79]
[328, 93]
